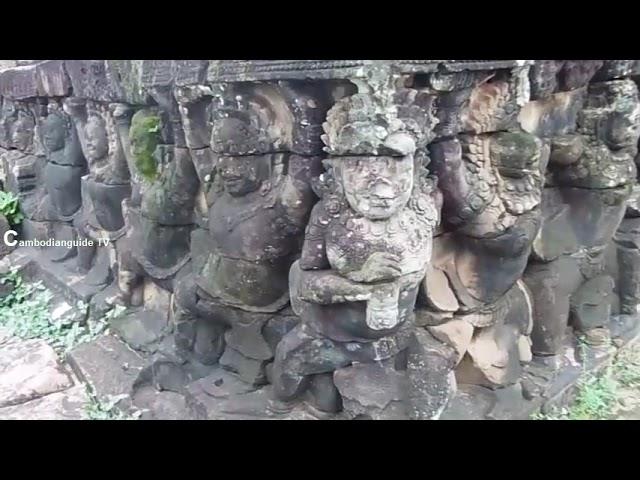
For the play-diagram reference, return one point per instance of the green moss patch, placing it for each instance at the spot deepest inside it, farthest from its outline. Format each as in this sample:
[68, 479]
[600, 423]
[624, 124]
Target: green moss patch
[145, 137]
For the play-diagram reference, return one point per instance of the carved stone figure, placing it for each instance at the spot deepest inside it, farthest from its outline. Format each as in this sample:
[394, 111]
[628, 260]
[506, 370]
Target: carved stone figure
[258, 198]
[104, 188]
[65, 163]
[160, 213]
[22, 166]
[491, 186]
[366, 251]
[472, 297]
[343, 239]
[590, 174]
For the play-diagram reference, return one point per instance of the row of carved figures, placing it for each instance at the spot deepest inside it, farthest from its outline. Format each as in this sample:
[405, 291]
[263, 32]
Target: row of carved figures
[326, 236]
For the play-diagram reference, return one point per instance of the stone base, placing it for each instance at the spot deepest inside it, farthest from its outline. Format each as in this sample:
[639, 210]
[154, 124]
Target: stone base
[223, 396]
[142, 330]
[65, 405]
[109, 367]
[60, 277]
[547, 384]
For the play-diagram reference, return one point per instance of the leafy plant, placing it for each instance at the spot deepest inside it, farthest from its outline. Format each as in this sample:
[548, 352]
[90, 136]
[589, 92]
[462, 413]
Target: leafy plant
[95, 409]
[597, 395]
[10, 208]
[115, 312]
[25, 311]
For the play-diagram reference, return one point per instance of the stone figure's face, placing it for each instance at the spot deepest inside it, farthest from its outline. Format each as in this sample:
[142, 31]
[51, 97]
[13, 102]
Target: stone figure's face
[623, 129]
[241, 175]
[376, 187]
[22, 133]
[96, 139]
[53, 134]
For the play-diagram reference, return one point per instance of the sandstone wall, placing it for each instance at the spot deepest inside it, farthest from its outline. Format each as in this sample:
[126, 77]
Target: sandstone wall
[423, 227]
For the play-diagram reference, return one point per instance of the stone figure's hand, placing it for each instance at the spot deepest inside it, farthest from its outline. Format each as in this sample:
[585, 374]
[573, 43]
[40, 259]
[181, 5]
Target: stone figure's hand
[379, 266]
[192, 94]
[72, 105]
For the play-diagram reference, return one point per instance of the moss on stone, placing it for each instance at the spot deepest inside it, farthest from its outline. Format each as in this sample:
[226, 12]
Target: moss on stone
[145, 137]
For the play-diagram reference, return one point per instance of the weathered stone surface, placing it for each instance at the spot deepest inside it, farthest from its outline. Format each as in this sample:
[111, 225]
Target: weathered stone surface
[52, 78]
[68, 404]
[374, 390]
[19, 82]
[432, 382]
[142, 329]
[29, 369]
[494, 354]
[543, 76]
[613, 69]
[107, 365]
[439, 294]
[550, 285]
[160, 405]
[594, 216]
[633, 203]
[93, 79]
[249, 369]
[62, 278]
[590, 306]
[508, 404]
[446, 182]
[556, 237]
[627, 242]
[556, 115]
[456, 333]
[223, 395]
[578, 73]
[323, 394]
[471, 402]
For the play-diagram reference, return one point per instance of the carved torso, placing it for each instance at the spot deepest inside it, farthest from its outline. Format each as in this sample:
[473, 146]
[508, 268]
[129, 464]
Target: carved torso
[351, 239]
[253, 246]
[343, 242]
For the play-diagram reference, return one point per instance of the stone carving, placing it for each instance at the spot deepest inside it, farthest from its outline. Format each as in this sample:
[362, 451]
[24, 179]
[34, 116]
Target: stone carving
[365, 254]
[380, 239]
[65, 163]
[590, 174]
[257, 184]
[104, 188]
[160, 212]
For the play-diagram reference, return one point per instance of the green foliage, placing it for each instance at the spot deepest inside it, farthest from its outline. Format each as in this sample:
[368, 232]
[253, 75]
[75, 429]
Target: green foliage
[597, 395]
[25, 311]
[145, 137]
[115, 312]
[96, 409]
[10, 208]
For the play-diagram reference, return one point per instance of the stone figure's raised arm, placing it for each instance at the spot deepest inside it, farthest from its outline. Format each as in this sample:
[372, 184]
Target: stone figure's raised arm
[122, 114]
[314, 250]
[117, 156]
[76, 108]
[297, 195]
[193, 102]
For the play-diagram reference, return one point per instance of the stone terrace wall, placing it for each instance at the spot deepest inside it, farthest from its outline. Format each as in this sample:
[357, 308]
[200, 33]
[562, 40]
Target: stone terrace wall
[367, 239]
